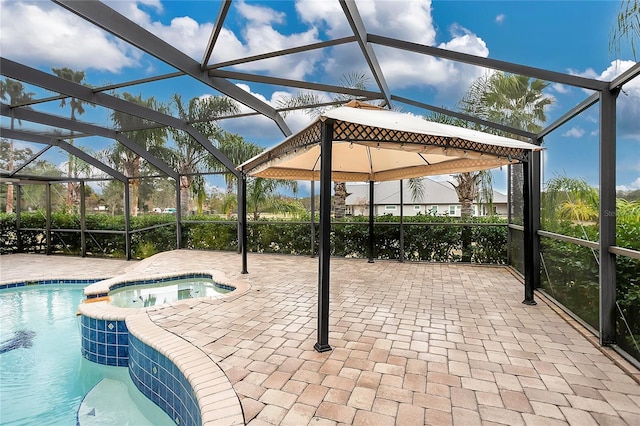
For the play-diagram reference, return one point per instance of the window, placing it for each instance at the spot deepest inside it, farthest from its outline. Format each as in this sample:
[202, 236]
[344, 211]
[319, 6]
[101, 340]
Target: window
[454, 210]
[416, 208]
[433, 210]
[389, 207]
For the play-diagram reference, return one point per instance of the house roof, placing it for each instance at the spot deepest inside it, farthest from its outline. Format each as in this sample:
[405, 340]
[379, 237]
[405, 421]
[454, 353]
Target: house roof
[435, 192]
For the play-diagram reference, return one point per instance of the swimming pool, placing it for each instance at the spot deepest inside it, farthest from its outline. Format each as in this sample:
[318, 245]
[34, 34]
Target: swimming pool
[138, 296]
[43, 377]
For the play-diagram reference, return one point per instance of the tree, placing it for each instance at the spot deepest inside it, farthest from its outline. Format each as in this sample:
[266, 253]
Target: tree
[512, 100]
[112, 196]
[77, 107]
[261, 196]
[628, 211]
[142, 132]
[238, 151]
[570, 199]
[15, 91]
[507, 99]
[627, 26]
[190, 157]
[33, 196]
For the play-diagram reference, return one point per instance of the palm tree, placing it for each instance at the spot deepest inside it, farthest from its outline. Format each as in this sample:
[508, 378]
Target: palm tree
[190, 157]
[238, 150]
[628, 211]
[627, 26]
[571, 199]
[77, 107]
[15, 91]
[141, 132]
[512, 100]
[261, 196]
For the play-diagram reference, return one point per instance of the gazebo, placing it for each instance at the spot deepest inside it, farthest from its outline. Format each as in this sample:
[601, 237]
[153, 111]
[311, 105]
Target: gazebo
[361, 142]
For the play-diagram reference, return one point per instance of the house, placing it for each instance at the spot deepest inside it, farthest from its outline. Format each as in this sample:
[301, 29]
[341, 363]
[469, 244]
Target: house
[439, 198]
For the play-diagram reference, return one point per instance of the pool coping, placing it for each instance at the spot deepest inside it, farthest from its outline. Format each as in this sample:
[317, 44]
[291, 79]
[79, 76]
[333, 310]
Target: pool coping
[217, 400]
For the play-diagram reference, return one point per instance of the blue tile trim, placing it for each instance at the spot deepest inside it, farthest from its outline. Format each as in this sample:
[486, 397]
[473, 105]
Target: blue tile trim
[162, 382]
[168, 279]
[49, 282]
[104, 341]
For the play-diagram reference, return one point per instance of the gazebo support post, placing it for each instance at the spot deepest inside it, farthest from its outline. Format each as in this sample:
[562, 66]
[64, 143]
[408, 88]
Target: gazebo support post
[322, 345]
[242, 220]
[313, 218]
[401, 221]
[535, 171]
[607, 212]
[371, 214]
[529, 236]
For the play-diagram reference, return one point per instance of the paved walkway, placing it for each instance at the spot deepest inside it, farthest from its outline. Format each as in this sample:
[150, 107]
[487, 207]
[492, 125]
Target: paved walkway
[413, 344]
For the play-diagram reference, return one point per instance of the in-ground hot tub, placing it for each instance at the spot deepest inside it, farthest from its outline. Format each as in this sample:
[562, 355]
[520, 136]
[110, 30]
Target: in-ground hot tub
[117, 330]
[105, 337]
[145, 295]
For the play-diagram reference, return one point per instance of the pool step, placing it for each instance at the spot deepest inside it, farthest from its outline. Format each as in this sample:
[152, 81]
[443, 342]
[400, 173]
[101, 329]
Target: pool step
[109, 403]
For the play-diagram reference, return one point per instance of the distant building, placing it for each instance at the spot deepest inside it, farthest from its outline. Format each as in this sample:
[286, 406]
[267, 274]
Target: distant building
[439, 198]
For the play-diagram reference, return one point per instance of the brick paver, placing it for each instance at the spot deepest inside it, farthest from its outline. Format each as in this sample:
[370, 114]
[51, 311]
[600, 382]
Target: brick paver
[412, 343]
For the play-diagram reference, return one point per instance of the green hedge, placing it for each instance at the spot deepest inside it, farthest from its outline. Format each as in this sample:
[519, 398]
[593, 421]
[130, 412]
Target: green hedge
[570, 274]
[440, 240]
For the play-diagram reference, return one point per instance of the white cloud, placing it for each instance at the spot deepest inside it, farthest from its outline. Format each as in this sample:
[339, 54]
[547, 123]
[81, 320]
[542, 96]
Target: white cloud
[500, 18]
[560, 88]
[407, 20]
[42, 34]
[630, 187]
[588, 73]
[260, 14]
[183, 32]
[574, 132]
[628, 104]
[263, 128]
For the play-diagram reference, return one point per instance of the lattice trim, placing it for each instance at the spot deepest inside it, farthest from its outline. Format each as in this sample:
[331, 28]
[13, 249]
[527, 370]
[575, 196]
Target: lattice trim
[352, 132]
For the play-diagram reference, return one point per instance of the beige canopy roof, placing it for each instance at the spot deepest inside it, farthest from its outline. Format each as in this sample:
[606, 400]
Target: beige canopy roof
[374, 144]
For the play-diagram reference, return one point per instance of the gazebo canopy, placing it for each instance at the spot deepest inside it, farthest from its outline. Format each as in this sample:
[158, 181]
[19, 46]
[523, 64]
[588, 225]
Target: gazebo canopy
[374, 144]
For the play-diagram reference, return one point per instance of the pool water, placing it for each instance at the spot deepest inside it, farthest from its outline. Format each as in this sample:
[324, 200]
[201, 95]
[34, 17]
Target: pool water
[43, 377]
[138, 296]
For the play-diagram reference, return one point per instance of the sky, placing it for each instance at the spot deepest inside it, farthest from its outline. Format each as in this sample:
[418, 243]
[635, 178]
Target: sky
[566, 36]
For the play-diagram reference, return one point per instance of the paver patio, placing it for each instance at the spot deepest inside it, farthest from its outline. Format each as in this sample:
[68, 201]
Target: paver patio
[413, 343]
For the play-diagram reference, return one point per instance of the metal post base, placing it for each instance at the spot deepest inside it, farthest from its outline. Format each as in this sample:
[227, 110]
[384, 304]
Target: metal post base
[321, 348]
[370, 261]
[244, 272]
[529, 302]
